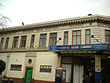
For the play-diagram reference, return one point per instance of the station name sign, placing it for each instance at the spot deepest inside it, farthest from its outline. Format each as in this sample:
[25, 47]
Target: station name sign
[81, 47]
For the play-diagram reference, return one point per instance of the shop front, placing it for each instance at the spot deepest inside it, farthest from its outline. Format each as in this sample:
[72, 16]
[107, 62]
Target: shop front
[77, 67]
[80, 60]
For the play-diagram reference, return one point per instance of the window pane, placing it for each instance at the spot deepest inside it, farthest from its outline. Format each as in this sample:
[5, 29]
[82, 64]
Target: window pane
[43, 40]
[78, 32]
[23, 41]
[45, 36]
[74, 33]
[66, 38]
[44, 43]
[51, 41]
[107, 39]
[78, 39]
[107, 36]
[15, 42]
[6, 43]
[53, 38]
[66, 33]
[1, 43]
[87, 31]
[74, 40]
[51, 35]
[88, 39]
[41, 36]
[32, 41]
[107, 32]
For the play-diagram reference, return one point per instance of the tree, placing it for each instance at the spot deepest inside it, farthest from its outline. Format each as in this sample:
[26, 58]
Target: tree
[2, 66]
[3, 19]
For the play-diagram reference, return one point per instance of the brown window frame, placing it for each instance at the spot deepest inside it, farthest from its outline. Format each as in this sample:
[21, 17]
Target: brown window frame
[6, 43]
[107, 35]
[32, 41]
[76, 37]
[53, 37]
[1, 43]
[23, 41]
[44, 38]
[87, 35]
[65, 37]
[15, 40]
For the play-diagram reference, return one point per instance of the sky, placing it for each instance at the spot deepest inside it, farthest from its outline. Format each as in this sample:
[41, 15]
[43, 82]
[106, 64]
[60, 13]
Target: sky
[35, 11]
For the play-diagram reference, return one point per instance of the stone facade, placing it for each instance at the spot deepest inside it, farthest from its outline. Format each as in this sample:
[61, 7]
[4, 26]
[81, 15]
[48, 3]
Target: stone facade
[42, 56]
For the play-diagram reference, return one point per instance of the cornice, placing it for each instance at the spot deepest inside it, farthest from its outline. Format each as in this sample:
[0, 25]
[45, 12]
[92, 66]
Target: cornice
[23, 50]
[62, 22]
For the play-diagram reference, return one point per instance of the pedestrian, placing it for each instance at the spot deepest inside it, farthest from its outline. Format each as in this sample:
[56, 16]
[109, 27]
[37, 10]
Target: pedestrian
[58, 79]
[86, 79]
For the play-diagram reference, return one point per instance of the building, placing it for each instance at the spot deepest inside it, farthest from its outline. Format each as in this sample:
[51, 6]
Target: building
[81, 45]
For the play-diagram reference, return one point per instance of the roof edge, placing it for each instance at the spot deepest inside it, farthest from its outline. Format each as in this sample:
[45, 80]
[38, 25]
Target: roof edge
[58, 22]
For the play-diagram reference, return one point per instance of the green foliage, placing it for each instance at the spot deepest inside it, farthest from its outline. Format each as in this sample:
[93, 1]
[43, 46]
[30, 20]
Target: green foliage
[2, 66]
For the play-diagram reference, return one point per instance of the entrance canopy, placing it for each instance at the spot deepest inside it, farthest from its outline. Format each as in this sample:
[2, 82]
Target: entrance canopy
[102, 49]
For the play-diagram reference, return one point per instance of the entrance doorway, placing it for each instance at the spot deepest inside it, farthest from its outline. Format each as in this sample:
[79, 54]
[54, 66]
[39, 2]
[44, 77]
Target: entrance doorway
[28, 76]
[89, 68]
[78, 71]
[105, 73]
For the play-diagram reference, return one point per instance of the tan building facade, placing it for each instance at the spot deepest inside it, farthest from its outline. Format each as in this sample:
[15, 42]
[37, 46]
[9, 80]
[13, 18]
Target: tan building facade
[26, 49]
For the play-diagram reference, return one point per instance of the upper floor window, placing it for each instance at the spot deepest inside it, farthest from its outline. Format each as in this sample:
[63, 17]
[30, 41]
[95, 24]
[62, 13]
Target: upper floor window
[53, 39]
[107, 36]
[1, 43]
[32, 41]
[43, 40]
[15, 42]
[88, 36]
[6, 43]
[76, 37]
[23, 41]
[66, 38]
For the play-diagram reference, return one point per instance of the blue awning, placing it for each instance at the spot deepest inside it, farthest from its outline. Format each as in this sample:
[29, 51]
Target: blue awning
[81, 47]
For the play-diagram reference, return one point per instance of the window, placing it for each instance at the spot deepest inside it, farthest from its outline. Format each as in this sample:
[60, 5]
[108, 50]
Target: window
[23, 41]
[45, 68]
[53, 39]
[43, 40]
[66, 38]
[15, 67]
[32, 41]
[6, 43]
[15, 42]
[1, 43]
[88, 38]
[107, 36]
[76, 37]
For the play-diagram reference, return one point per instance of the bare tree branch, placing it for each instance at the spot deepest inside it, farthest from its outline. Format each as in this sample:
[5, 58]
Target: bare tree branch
[3, 19]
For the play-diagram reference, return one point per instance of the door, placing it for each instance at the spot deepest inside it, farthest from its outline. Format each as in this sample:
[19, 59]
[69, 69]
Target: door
[28, 75]
[78, 73]
[68, 72]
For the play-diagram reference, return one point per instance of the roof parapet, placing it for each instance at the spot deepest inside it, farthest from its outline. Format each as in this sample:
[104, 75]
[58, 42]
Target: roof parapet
[74, 20]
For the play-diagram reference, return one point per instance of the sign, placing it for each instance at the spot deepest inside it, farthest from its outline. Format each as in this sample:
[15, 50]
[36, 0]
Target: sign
[45, 68]
[81, 47]
[15, 67]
